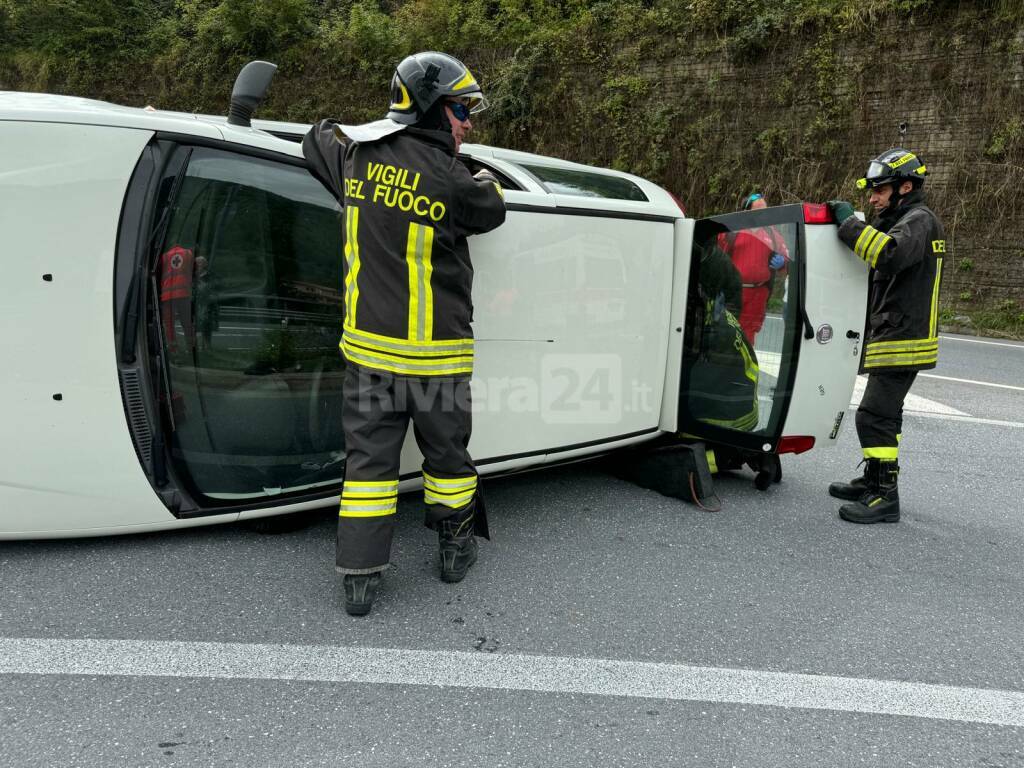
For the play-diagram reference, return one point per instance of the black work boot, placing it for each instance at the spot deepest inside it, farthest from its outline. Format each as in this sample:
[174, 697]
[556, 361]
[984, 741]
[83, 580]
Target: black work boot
[881, 502]
[360, 589]
[457, 546]
[854, 489]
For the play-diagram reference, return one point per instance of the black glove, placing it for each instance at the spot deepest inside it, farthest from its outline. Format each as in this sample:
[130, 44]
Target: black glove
[841, 210]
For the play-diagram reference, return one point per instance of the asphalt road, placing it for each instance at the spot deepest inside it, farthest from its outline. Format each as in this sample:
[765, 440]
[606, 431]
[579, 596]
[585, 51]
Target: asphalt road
[604, 624]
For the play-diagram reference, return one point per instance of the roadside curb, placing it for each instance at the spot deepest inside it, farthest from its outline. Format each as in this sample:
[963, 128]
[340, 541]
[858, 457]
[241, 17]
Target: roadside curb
[966, 330]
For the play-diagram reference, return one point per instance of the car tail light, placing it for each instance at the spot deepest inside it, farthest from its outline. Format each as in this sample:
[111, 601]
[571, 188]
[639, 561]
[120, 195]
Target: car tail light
[678, 202]
[817, 213]
[796, 444]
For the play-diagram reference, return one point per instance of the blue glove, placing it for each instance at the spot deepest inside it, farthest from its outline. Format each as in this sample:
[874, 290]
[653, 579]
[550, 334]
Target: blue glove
[777, 261]
[719, 308]
[841, 210]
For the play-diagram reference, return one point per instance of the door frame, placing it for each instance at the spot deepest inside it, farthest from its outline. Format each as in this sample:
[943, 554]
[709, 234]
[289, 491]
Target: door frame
[796, 324]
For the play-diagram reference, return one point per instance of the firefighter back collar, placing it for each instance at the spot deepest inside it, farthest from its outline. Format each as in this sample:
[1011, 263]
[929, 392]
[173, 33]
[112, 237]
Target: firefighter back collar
[368, 132]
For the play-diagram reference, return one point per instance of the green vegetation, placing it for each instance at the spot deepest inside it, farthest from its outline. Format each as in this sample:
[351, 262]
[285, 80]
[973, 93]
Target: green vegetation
[710, 98]
[1004, 318]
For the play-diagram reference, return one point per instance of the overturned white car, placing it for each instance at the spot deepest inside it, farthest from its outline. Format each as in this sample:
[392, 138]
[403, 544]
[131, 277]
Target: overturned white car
[172, 304]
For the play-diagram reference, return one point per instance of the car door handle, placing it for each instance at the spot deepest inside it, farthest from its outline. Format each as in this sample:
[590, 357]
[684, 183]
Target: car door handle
[852, 335]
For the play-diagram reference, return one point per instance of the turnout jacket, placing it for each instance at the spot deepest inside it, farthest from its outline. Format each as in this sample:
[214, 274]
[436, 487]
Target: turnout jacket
[904, 249]
[408, 205]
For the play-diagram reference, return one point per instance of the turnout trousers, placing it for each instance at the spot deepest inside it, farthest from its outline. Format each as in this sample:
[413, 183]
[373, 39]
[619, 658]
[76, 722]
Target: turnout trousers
[880, 414]
[377, 409]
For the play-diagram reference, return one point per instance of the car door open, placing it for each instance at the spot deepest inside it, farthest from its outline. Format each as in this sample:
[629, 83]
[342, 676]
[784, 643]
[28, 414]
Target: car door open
[774, 315]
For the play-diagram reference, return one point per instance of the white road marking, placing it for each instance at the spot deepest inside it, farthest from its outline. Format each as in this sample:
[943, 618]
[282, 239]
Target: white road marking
[955, 417]
[971, 419]
[913, 403]
[971, 381]
[550, 674]
[981, 341]
[769, 362]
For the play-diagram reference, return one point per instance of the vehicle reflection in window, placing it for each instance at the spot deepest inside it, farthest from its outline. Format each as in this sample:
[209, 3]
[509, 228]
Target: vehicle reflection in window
[567, 181]
[249, 293]
[739, 344]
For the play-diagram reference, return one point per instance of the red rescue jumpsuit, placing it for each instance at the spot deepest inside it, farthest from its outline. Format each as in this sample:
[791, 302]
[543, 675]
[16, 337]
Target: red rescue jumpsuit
[751, 250]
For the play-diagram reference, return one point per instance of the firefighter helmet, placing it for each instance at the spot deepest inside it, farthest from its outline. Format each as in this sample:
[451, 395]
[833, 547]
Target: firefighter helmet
[892, 167]
[423, 78]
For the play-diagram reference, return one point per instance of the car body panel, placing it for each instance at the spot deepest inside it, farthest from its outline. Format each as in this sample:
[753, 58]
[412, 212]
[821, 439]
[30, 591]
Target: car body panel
[580, 308]
[60, 183]
[49, 108]
[836, 298]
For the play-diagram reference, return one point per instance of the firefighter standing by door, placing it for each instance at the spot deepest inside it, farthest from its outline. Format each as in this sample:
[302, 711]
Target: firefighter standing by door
[904, 249]
[409, 205]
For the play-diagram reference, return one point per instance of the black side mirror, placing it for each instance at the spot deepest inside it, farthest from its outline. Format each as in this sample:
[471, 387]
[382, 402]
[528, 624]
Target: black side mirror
[251, 86]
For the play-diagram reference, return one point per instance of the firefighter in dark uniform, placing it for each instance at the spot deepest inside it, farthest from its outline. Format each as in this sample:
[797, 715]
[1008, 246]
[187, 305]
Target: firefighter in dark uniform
[904, 248]
[409, 205]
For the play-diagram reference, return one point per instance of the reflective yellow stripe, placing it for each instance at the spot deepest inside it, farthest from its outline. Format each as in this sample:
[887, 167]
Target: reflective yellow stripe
[466, 81]
[745, 423]
[380, 510]
[428, 291]
[876, 356]
[887, 361]
[405, 101]
[876, 248]
[933, 326]
[869, 233]
[405, 346]
[874, 353]
[352, 258]
[368, 498]
[384, 486]
[712, 464]
[376, 501]
[449, 491]
[448, 500]
[888, 452]
[907, 158]
[418, 249]
[750, 368]
[438, 366]
[897, 344]
[450, 483]
[413, 267]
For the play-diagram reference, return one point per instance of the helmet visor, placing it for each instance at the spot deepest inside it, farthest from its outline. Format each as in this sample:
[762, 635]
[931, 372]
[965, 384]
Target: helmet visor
[476, 101]
[878, 170]
[878, 174]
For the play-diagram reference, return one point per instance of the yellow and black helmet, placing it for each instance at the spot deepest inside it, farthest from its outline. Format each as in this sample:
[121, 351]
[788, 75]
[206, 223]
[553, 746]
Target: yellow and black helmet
[423, 78]
[894, 166]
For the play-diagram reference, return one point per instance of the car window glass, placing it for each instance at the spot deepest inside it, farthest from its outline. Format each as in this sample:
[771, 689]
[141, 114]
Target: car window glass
[248, 293]
[567, 181]
[741, 326]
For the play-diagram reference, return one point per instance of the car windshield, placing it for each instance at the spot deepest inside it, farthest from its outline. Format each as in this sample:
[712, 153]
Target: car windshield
[248, 291]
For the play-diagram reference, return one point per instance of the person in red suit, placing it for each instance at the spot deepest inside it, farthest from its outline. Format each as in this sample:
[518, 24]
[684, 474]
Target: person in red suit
[178, 269]
[759, 255]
